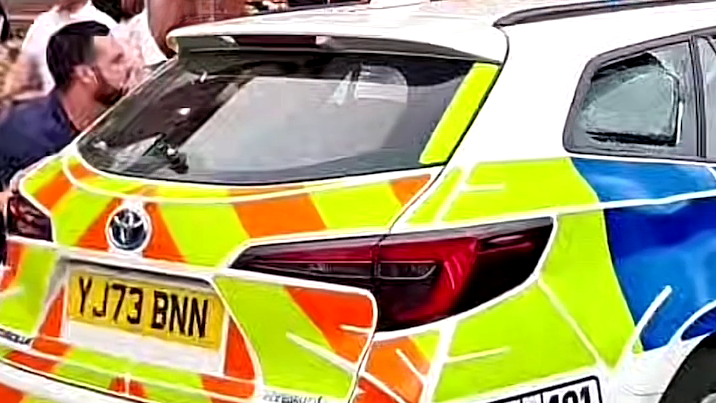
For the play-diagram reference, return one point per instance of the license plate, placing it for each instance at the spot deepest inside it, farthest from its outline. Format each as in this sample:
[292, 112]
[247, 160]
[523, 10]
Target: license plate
[177, 314]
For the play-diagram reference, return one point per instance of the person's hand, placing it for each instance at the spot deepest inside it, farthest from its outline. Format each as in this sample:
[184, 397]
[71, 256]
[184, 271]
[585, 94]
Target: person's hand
[250, 10]
[276, 5]
[267, 5]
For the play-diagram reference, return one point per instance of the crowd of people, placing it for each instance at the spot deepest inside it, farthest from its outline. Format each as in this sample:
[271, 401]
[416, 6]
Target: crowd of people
[74, 62]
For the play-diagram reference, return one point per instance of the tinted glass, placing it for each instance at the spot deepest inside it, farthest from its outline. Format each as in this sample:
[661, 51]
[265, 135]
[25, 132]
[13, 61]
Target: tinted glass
[263, 117]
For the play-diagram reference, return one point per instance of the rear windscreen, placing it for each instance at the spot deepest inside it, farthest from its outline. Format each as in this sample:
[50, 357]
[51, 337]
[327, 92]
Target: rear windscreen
[260, 117]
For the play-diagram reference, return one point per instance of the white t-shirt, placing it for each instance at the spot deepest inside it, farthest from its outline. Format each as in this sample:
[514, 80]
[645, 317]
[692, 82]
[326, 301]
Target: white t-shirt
[136, 33]
[46, 24]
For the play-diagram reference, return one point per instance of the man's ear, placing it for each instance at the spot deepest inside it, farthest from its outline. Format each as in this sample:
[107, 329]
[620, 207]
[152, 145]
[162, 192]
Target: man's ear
[85, 74]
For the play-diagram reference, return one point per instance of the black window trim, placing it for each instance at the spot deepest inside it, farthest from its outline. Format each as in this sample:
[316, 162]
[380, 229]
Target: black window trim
[626, 52]
[700, 97]
[708, 37]
[583, 9]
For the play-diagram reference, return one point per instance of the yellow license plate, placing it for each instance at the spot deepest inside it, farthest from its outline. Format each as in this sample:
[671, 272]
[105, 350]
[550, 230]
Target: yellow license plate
[170, 313]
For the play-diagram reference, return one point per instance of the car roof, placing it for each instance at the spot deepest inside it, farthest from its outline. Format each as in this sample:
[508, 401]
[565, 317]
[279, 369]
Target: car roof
[470, 26]
[412, 21]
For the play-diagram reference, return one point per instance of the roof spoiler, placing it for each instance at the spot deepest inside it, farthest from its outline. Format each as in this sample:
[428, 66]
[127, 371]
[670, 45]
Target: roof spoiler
[316, 43]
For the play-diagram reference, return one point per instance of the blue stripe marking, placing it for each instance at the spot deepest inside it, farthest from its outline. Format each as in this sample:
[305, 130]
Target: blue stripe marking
[621, 180]
[670, 245]
[705, 324]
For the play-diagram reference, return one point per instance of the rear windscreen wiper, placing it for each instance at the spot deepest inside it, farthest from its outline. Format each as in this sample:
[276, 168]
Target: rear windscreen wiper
[176, 158]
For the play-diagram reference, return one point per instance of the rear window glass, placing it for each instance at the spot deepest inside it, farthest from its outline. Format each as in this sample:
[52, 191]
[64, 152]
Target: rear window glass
[258, 117]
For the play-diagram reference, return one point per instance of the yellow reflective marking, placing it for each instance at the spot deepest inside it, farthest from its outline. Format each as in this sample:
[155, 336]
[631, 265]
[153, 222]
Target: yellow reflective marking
[459, 113]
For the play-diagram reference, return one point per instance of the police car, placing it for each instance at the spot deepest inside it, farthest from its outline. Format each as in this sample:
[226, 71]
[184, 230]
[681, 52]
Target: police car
[456, 201]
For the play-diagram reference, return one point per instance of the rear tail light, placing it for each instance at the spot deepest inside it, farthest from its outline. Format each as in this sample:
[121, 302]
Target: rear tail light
[26, 220]
[416, 278]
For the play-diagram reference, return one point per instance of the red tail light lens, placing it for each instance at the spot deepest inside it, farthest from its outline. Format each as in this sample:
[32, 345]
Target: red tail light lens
[439, 268]
[416, 278]
[26, 220]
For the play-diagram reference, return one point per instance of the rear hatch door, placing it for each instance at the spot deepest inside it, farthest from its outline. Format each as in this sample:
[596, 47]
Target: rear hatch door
[213, 236]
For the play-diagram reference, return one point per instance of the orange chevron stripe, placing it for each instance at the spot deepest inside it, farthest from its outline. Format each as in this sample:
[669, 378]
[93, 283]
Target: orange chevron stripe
[46, 342]
[32, 361]
[136, 389]
[52, 327]
[50, 346]
[386, 364]
[131, 388]
[50, 194]
[161, 245]
[118, 385]
[279, 216]
[79, 171]
[10, 395]
[370, 393]
[330, 310]
[228, 387]
[406, 189]
[238, 362]
[95, 236]
[15, 253]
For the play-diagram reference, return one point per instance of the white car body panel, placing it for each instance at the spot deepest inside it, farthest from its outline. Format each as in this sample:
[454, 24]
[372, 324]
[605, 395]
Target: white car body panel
[528, 106]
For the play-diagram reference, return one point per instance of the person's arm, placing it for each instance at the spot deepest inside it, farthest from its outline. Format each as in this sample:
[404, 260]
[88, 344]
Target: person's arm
[28, 44]
[19, 148]
[23, 78]
[4, 197]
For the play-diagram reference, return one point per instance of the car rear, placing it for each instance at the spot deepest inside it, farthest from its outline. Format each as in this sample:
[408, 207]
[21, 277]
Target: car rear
[224, 232]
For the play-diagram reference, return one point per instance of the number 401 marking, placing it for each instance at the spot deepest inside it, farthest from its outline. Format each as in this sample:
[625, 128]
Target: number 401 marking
[583, 395]
[585, 390]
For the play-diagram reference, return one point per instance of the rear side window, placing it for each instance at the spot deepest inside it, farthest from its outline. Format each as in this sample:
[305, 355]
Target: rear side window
[259, 117]
[642, 104]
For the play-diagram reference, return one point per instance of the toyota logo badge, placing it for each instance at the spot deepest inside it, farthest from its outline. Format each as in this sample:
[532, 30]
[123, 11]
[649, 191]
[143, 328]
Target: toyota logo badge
[128, 229]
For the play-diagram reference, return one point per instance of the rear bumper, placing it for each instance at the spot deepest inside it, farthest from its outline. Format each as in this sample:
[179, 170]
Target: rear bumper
[17, 385]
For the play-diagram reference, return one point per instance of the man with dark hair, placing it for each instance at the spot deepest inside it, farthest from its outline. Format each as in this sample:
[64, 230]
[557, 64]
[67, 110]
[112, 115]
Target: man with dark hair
[65, 12]
[89, 70]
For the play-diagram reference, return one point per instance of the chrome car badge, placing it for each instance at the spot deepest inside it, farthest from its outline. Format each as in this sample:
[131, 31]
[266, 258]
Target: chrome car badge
[129, 229]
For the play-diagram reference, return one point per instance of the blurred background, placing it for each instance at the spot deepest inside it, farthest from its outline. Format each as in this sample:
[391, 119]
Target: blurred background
[22, 13]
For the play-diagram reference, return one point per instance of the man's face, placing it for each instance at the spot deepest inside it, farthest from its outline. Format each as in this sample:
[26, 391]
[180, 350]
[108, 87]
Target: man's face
[111, 70]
